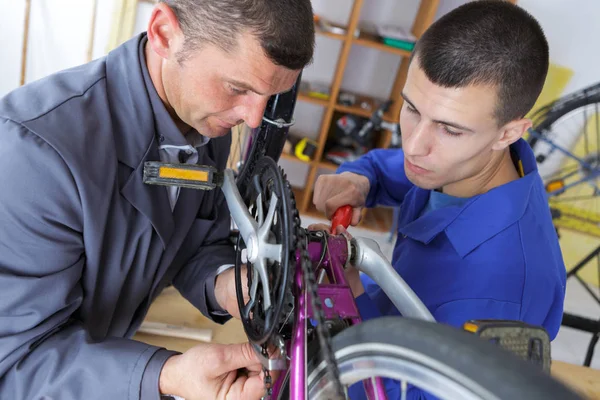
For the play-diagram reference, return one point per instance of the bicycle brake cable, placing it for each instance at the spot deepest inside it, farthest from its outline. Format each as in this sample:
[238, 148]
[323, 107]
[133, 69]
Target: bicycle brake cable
[312, 288]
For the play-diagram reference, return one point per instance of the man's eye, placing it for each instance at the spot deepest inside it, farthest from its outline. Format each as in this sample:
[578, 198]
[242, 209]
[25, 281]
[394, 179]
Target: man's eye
[410, 109]
[236, 91]
[451, 132]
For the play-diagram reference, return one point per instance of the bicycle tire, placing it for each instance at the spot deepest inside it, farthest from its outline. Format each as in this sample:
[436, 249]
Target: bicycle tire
[480, 365]
[549, 114]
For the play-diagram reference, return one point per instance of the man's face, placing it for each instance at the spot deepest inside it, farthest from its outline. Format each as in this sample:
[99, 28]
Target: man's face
[447, 133]
[213, 90]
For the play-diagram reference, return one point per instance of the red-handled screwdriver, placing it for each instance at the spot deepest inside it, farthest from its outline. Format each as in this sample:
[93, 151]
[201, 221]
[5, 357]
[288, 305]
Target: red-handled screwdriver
[341, 216]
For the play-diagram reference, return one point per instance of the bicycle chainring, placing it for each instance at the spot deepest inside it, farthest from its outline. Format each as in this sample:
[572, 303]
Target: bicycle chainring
[270, 204]
[266, 183]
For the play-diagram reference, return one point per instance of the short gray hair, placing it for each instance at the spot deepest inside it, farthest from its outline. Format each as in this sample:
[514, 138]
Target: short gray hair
[284, 28]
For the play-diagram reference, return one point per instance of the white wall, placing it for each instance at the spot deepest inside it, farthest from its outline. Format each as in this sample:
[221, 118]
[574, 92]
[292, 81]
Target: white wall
[573, 33]
[572, 30]
[59, 36]
[60, 32]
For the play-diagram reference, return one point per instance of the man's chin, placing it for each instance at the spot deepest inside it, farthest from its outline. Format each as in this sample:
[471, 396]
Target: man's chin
[421, 182]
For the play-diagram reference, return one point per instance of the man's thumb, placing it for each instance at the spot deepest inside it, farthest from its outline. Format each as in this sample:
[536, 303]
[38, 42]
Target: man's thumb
[356, 216]
[239, 355]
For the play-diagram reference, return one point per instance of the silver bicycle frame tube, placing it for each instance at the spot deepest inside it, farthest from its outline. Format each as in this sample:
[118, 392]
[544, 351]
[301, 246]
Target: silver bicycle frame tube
[370, 260]
[368, 257]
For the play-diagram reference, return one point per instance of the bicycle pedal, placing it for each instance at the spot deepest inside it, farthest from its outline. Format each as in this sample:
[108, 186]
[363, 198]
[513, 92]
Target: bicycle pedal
[193, 176]
[529, 342]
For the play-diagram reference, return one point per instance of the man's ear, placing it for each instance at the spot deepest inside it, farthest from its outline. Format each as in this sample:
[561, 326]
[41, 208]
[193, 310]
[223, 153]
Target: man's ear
[511, 132]
[164, 33]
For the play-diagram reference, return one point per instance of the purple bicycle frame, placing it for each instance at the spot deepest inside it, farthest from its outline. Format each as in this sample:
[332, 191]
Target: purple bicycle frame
[337, 301]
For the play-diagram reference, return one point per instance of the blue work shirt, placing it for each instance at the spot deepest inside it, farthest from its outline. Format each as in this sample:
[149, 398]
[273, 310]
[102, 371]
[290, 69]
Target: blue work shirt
[493, 256]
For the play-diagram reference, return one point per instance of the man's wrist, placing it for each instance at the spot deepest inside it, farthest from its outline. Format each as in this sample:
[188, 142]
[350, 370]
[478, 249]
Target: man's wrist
[357, 288]
[220, 291]
[167, 381]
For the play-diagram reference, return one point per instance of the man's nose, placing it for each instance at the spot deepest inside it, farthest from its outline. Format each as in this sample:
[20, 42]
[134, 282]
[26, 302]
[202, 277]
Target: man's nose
[417, 143]
[254, 110]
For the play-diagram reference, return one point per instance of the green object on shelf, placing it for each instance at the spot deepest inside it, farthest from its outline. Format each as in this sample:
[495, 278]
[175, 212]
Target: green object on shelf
[400, 44]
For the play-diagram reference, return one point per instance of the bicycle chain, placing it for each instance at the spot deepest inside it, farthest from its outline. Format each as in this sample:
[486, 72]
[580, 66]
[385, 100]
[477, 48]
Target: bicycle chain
[312, 289]
[300, 241]
[287, 304]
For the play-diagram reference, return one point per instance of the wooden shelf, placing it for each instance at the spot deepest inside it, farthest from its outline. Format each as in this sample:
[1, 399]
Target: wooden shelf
[380, 218]
[336, 36]
[357, 110]
[291, 157]
[314, 100]
[299, 196]
[328, 165]
[381, 46]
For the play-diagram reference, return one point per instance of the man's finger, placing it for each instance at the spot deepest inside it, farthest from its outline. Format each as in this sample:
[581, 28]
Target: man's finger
[254, 369]
[250, 388]
[356, 216]
[236, 356]
[340, 230]
[333, 204]
[318, 227]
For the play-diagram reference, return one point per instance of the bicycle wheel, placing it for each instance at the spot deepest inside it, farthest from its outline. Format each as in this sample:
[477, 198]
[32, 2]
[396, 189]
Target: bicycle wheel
[436, 358]
[568, 147]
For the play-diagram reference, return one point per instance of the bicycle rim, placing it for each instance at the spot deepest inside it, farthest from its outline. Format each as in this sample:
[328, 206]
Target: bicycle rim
[369, 360]
[436, 358]
[577, 131]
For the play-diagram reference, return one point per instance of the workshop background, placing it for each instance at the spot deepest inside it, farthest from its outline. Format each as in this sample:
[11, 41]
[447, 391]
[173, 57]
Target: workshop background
[39, 37]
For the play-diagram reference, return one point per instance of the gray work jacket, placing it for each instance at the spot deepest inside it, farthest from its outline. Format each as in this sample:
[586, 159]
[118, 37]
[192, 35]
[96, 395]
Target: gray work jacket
[85, 245]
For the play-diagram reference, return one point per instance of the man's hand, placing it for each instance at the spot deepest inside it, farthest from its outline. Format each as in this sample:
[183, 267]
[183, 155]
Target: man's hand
[333, 191]
[214, 372]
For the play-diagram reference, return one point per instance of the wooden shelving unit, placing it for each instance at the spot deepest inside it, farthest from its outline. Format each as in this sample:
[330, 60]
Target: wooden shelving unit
[328, 165]
[380, 218]
[330, 34]
[314, 100]
[381, 46]
[291, 157]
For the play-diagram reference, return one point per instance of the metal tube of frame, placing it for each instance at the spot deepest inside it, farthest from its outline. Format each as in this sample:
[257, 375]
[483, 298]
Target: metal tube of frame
[338, 256]
[298, 377]
[372, 262]
[566, 152]
[337, 253]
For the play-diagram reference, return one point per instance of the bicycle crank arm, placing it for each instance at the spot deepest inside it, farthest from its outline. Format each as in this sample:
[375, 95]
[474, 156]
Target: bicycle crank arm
[191, 176]
[368, 258]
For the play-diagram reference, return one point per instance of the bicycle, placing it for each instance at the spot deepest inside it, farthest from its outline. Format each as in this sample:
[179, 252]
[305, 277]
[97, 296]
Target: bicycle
[290, 311]
[566, 141]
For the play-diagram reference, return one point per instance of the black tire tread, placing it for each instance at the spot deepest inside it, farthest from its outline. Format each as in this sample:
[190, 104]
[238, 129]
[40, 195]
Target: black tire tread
[500, 372]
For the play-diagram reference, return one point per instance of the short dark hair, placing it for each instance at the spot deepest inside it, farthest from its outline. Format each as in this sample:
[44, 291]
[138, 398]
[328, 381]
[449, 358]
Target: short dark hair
[284, 28]
[488, 42]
